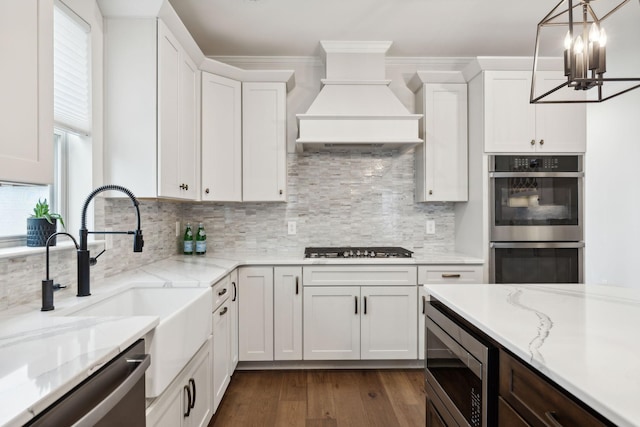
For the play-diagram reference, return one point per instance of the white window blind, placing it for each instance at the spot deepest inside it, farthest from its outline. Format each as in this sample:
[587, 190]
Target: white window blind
[71, 71]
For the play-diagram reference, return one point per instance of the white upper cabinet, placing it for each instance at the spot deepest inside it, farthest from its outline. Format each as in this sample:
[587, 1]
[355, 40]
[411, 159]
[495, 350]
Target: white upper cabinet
[264, 142]
[512, 124]
[26, 88]
[441, 162]
[152, 100]
[221, 139]
[178, 96]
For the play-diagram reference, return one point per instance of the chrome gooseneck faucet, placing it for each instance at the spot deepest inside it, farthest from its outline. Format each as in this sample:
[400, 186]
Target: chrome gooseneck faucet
[85, 261]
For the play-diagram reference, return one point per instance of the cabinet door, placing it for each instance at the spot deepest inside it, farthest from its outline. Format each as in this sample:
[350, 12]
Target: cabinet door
[168, 113]
[169, 413]
[509, 117]
[560, 127]
[221, 352]
[233, 319]
[255, 293]
[422, 305]
[264, 140]
[200, 383]
[189, 143]
[331, 323]
[177, 118]
[221, 139]
[287, 313]
[26, 85]
[441, 162]
[389, 322]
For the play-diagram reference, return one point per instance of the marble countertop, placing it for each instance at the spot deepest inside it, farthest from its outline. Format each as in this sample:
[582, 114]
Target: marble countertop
[45, 354]
[583, 337]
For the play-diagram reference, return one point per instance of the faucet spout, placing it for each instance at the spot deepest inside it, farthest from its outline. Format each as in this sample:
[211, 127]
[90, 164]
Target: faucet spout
[84, 259]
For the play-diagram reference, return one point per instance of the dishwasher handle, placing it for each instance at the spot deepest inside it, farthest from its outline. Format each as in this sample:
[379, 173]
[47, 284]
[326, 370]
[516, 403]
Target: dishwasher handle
[100, 410]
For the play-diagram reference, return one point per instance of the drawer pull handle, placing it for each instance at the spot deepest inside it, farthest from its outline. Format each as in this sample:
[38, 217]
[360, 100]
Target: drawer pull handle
[192, 383]
[424, 304]
[365, 305]
[551, 416]
[187, 389]
[297, 285]
[224, 311]
[222, 292]
[450, 275]
[356, 299]
[235, 291]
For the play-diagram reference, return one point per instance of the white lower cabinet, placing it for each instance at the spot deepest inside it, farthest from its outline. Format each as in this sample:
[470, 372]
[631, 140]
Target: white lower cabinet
[187, 400]
[255, 293]
[221, 343]
[331, 323]
[287, 313]
[233, 319]
[353, 322]
[388, 324]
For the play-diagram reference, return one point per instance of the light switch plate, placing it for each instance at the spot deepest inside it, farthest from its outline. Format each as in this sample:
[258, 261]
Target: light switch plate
[291, 228]
[431, 226]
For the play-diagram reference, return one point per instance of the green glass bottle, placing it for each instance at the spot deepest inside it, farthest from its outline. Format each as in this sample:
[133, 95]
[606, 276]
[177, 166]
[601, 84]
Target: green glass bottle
[188, 240]
[201, 240]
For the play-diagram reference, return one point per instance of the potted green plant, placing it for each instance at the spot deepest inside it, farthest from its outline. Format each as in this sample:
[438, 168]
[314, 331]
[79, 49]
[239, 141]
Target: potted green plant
[42, 224]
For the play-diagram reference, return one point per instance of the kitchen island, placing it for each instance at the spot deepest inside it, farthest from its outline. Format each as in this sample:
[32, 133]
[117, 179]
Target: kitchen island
[582, 337]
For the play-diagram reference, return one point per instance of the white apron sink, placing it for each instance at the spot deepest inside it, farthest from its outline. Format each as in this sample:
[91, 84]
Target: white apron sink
[184, 325]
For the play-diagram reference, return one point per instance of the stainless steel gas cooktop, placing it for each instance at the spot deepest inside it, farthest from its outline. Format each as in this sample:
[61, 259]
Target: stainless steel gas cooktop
[358, 252]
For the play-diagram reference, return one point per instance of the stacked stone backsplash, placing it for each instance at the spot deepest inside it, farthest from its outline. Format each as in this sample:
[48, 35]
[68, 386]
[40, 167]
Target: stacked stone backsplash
[21, 276]
[336, 198]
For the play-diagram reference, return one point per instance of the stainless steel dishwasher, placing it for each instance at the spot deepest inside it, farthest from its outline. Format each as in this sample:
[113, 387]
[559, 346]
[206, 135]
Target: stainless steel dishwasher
[113, 396]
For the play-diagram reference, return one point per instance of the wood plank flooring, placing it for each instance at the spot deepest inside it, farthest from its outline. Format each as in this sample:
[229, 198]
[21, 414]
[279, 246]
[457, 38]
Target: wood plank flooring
[324, 398]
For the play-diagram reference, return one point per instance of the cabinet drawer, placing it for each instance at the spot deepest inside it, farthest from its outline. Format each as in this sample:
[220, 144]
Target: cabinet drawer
[537, 401]
[221, 291]
[430, 274]
[358, 275]
[507, 417]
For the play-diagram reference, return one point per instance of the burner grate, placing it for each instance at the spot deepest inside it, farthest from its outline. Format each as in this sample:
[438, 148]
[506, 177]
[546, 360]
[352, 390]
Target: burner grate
[357, 252]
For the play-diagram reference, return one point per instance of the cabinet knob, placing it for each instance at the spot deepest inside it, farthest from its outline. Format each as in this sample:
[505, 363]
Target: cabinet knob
[280, 192]
[533, 142]
[206, 191]
[430, 192]
[542, 142]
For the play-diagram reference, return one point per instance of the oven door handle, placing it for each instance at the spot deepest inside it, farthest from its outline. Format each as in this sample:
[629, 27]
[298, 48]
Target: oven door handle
[463, 355]
[536, 245]
[536, 174]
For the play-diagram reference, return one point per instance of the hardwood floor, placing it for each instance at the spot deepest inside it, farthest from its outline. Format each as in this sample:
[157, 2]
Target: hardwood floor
[319, 398]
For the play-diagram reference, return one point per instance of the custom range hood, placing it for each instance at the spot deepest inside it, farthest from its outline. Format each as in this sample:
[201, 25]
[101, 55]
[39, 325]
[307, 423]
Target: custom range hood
[355, 107]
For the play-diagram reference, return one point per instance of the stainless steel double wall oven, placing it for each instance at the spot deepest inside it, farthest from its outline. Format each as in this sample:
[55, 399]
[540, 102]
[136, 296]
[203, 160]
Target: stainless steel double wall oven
[536, 216]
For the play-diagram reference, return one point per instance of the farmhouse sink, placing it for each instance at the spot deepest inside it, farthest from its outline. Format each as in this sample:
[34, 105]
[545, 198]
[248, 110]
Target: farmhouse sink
[184, 325]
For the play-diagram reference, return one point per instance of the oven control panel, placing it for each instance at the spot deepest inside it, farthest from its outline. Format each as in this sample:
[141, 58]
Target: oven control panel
[536, 163]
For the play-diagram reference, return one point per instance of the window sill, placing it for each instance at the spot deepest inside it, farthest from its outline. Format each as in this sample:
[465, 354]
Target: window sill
[21, 251]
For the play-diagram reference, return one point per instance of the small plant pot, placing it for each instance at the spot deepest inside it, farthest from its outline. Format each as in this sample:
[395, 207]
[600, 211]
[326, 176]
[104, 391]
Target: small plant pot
[39, 230]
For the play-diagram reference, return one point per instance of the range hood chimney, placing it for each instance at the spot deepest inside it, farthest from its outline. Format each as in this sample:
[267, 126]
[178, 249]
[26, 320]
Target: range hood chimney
[355, 107]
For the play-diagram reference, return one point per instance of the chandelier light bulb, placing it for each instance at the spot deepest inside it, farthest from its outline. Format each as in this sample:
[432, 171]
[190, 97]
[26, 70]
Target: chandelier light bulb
[567, 40]
[594, 33]
[603, 38]
[578, 47]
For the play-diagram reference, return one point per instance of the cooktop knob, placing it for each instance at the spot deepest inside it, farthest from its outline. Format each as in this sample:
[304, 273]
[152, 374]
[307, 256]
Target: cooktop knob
[346, 254]
[372, 254]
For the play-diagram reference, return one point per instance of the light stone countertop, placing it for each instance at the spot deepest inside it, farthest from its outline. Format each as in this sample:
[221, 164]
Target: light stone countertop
[43, 355]
[583, 337]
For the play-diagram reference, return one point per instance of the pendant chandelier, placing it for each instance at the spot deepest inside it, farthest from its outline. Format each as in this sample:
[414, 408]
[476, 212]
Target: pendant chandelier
[570, 61]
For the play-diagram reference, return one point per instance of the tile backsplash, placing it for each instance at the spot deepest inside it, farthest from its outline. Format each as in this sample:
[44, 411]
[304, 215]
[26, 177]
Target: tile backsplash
[335, 198]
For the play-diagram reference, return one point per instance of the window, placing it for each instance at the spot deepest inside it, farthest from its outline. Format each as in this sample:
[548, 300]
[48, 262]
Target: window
[71, 139]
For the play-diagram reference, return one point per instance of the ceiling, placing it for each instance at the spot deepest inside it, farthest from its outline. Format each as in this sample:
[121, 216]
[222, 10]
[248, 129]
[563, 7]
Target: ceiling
[418, 28]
